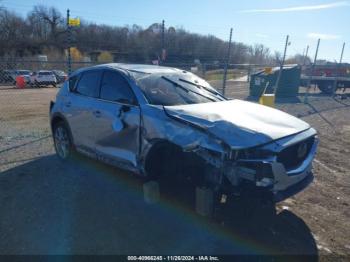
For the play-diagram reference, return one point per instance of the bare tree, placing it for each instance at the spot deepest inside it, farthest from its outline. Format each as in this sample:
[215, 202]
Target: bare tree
[299, 59]
[259, 54]
[44, 29]
[278, 58]
[47, 21]
[13, 35]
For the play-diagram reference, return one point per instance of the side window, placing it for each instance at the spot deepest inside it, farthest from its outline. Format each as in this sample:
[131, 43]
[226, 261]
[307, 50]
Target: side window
[115, 88]
[89, 83]
[72, 82]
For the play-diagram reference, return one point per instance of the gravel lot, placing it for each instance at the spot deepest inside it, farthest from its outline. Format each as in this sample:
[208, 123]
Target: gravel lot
[84, 207]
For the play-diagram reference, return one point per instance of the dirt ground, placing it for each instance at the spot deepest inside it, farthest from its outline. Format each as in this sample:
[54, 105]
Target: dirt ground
[84, 207]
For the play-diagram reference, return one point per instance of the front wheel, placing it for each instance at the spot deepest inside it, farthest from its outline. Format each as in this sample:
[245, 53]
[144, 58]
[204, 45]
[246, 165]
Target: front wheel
[62, 141]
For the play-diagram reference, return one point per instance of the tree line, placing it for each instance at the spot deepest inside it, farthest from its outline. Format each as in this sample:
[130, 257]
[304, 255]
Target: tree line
[44, 31]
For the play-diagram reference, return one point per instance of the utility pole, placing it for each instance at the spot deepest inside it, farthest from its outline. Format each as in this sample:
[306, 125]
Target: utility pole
[69, 65]
[282, 63]
[337, 71]
[163, 53]
[163, 26]
[305, 56]
[311, 72]
[227, 62]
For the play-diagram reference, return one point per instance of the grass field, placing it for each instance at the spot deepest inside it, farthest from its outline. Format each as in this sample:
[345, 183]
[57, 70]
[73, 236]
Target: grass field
[219, 74]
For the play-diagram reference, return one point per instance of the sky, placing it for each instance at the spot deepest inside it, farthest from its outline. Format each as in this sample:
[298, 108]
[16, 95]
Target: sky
[253, 21]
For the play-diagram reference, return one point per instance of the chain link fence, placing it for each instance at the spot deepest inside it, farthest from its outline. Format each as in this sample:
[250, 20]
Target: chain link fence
[24, 109]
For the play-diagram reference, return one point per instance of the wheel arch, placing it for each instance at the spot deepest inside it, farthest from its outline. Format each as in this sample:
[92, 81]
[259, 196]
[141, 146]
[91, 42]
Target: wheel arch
[189, 163]
[158, 146]
[58, 117]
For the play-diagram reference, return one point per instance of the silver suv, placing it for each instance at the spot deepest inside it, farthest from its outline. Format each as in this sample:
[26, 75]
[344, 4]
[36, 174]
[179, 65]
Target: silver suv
[162, 122]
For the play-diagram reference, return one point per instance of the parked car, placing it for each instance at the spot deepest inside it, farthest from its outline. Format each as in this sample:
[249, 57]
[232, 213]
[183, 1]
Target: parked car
[5, 76]
[164, 123]
[8, 76]
[43, 78]
[25, 73]
[60, 76]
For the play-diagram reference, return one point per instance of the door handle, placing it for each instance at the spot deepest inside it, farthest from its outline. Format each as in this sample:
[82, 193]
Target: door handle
[68, 104]
[97, 113]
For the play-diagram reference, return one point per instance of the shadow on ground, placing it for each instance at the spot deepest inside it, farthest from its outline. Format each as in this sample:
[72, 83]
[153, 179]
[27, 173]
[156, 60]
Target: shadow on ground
[84, 207]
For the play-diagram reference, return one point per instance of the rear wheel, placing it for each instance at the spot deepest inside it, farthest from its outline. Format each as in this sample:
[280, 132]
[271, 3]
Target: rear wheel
[62, 141]
[326, 87]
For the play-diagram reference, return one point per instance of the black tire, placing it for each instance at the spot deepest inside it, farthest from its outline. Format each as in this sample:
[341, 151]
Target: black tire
[326, 87]
[62, 141]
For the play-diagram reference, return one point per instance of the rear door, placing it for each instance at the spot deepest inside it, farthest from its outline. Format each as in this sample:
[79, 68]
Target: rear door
[79, 109]
[117, 120]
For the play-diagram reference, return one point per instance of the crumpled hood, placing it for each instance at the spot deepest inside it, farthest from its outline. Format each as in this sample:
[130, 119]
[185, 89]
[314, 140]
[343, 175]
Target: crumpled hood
[240, 124]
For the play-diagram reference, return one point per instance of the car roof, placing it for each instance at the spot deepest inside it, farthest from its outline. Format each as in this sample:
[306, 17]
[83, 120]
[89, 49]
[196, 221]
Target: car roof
[147, 69]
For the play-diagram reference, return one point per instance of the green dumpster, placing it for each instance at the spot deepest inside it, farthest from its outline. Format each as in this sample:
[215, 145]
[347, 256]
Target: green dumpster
[288, 85]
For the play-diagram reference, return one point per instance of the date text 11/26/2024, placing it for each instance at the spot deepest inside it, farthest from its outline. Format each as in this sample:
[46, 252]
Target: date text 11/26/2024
[173, 258]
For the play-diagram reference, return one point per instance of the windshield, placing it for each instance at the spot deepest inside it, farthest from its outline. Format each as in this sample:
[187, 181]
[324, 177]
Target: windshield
[177, 89]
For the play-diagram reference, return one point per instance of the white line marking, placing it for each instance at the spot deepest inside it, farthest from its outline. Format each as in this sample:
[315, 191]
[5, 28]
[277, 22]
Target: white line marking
[324, 166]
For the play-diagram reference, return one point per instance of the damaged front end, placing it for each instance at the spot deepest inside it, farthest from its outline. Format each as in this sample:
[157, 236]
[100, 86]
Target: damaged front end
[282, 167]
[224, 143]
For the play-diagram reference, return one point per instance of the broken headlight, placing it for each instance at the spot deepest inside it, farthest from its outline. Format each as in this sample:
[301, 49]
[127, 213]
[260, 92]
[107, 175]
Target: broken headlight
[254, 153]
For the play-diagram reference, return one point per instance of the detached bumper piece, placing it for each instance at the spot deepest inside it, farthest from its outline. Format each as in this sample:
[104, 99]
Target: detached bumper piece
[294, 189]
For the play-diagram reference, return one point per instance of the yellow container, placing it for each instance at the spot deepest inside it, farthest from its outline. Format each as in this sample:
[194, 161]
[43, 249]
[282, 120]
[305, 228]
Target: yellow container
[267, 100]
[268, 70]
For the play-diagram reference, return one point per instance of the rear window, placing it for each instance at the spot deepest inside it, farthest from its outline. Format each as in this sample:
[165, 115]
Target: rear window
[23, 72]
[45, 73]
[60, 73]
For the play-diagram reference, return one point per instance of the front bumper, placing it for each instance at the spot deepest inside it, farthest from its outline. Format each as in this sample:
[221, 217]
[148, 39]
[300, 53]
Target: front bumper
[272, 175]
[294, 189]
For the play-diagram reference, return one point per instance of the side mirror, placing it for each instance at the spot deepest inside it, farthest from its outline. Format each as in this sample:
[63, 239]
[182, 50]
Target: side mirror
[125, 108]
